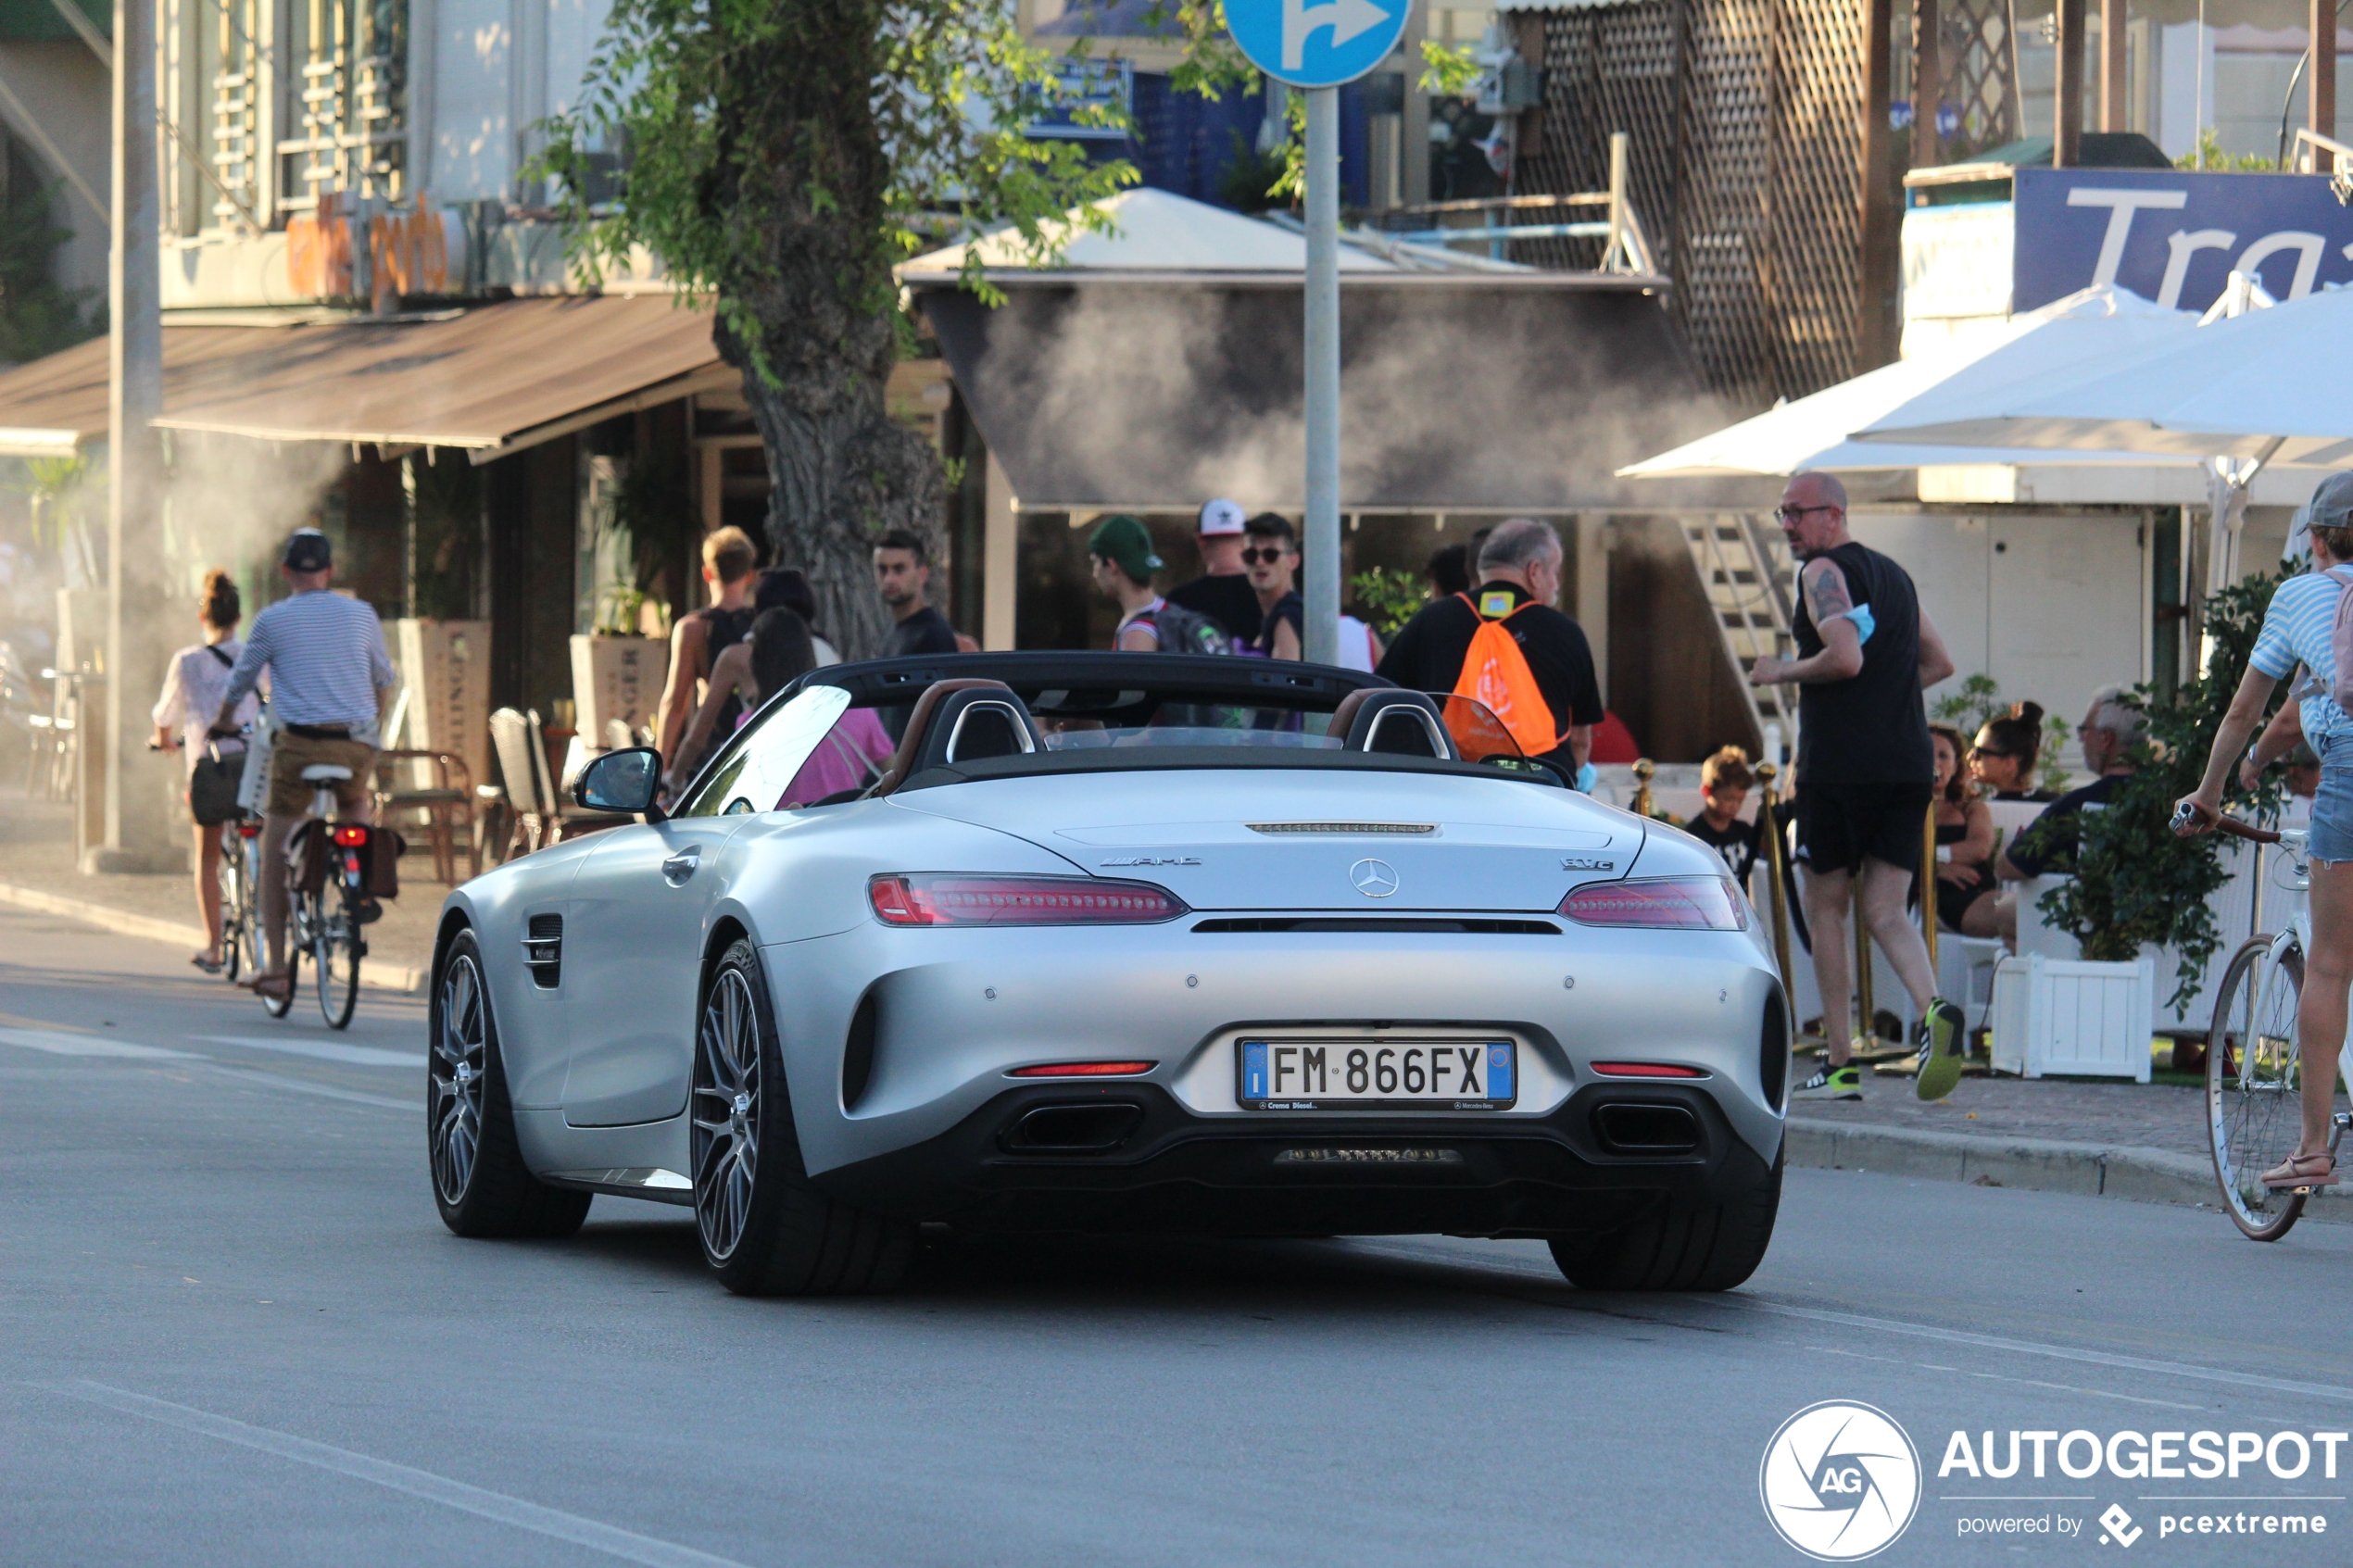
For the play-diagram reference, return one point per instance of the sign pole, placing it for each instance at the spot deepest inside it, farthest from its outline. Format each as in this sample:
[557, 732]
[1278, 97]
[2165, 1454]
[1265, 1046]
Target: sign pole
[1321, 591]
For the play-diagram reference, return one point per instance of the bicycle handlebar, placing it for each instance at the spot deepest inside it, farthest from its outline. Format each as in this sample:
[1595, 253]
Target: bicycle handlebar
[2230, 825]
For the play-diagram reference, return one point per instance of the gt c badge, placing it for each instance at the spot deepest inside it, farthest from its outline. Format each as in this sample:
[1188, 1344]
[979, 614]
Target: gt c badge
[1374, 879]
[1587, 863]
[1156, 860]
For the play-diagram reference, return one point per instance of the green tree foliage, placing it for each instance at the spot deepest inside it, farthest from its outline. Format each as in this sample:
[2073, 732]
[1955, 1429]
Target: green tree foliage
[2135, 882]
[37, 316]
[779, 157]
[1389, 596]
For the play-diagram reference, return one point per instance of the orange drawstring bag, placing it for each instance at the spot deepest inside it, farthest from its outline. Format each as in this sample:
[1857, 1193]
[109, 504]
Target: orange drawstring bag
[1496, 674]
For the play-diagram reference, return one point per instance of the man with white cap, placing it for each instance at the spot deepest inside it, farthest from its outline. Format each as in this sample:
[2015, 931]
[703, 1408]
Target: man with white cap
[1223, 592]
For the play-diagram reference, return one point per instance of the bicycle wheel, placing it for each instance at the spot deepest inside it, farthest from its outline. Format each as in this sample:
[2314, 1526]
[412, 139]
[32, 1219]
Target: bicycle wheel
[2254, 1086]
[233, 902]
[334, 951]
[301, 920]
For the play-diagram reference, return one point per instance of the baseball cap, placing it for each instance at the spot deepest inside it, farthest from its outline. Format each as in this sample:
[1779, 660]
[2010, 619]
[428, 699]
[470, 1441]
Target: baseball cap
[308, 550]
[1121, 539]
[2332, 502]
[1221, 516]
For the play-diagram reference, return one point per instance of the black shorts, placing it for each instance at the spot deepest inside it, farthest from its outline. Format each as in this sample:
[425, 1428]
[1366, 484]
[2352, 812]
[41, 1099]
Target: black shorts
[1839, 824]
[1953, 901]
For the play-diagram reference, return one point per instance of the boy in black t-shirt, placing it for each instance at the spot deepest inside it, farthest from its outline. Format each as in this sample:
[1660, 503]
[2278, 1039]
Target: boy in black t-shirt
[1724, 783]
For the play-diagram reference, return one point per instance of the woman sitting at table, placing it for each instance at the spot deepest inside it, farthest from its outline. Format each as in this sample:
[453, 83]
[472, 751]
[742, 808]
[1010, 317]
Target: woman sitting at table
[2002, 763]
[1963, 834]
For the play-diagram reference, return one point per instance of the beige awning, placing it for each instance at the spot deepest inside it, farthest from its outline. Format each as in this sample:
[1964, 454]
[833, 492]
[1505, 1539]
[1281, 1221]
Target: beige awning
[491, 380]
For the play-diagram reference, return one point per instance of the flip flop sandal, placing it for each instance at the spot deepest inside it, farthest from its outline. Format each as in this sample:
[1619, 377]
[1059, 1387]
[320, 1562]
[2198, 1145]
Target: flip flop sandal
[211, 966]
[277, 987]
[2302, 1170]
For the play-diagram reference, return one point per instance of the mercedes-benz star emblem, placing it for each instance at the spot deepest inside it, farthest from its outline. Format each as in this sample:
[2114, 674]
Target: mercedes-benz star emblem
[1374, 879]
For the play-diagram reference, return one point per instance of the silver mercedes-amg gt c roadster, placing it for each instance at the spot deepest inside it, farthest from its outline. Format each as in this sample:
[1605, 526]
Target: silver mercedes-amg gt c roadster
[1113, 942]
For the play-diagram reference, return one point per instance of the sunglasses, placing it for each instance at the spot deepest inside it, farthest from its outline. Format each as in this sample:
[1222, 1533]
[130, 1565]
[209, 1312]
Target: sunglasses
[1272, 554]
[1989, 751]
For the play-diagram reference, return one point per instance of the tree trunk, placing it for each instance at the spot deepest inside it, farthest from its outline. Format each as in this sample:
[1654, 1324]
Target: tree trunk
[809, 204]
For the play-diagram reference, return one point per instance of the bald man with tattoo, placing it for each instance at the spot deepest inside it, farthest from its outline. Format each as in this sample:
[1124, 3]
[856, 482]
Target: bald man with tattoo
[1865, 773]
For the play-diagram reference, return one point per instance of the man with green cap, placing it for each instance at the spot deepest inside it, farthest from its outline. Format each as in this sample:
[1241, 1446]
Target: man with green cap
[1124, 561]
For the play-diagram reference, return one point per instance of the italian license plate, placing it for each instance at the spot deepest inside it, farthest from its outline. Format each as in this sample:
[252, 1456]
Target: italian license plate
[1375, 1075]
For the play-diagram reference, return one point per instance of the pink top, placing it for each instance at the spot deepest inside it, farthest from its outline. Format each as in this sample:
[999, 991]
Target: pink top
[856, 746]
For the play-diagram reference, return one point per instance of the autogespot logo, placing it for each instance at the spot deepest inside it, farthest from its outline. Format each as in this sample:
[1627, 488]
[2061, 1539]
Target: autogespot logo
[1840, 1481]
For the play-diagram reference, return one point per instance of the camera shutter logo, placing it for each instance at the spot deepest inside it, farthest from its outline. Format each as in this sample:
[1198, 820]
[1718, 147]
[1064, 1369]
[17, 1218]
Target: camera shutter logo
[1840, 1481]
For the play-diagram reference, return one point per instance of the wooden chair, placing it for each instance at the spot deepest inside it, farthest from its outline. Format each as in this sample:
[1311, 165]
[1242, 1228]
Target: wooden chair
[559, 816]
[448, 806]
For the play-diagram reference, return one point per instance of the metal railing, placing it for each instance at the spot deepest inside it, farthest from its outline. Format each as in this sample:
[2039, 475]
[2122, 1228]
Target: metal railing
[1626, 250]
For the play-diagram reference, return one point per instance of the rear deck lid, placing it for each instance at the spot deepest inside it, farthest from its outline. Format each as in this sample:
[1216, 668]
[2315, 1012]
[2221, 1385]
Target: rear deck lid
[1360, 842]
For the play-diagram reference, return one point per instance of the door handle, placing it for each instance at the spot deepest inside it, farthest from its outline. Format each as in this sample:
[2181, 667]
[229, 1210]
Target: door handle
[681, 866]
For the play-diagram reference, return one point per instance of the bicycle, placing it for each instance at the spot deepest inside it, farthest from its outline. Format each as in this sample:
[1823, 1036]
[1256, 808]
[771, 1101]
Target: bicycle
[2254, 1073]
[320, 853]
[241, 942]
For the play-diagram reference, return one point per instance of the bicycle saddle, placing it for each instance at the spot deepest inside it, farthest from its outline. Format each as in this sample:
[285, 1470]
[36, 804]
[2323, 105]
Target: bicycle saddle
[320, 773]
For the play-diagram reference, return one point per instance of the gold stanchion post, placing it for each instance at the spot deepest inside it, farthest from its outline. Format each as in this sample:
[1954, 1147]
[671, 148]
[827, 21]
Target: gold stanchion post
[1866, 1008]
[1928, 888]
[1766, 776]
[1643, 769]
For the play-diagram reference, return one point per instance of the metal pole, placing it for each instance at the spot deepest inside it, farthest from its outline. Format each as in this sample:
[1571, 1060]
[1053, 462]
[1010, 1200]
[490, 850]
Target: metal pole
[1768, 774]
[135, 831]
[1928, 887]
[2321, 101]
[1321, 589]
[2066, 137]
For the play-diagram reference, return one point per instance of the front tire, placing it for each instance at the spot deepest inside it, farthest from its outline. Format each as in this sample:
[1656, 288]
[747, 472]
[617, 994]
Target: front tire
[1681, 1244]
[2255, 1086]
[765, 1230]
[479, 1179]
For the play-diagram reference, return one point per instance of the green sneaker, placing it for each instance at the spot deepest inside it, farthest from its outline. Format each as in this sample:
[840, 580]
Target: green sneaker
[1941, 1035]
[1831, 1082]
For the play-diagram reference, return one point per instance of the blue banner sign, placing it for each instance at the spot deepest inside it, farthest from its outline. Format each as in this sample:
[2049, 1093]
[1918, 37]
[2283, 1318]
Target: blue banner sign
[2174, 237]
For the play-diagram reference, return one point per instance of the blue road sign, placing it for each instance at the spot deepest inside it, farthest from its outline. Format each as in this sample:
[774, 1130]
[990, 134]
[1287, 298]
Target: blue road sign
[1316, 42]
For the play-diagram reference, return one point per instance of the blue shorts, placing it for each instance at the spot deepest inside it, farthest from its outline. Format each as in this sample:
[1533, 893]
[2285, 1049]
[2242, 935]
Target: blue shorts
[2332, 803]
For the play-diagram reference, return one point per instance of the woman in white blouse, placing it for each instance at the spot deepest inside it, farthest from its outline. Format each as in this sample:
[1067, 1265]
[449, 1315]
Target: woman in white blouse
[194, 684]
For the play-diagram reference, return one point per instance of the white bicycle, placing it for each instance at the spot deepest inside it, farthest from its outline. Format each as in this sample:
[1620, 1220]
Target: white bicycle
[2254, 1075]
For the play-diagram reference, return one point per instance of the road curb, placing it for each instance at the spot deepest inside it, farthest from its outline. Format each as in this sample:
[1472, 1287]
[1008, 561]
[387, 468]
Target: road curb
[374, 974]
[2144, 1175]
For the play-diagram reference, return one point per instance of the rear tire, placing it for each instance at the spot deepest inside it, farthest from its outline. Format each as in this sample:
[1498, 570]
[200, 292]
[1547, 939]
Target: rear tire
[1679, 1245]
[765, 1230]
[479, 1179]
[334, 953]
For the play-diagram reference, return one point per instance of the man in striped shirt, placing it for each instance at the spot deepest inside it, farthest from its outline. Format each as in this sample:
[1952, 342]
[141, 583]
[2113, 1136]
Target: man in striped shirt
[330, 679]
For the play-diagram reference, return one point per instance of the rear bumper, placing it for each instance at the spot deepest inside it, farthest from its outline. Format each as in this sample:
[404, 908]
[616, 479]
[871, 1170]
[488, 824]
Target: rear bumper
[1604, 1156]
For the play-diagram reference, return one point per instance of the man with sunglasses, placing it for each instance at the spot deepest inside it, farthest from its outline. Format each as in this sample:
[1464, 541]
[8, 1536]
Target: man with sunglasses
[1865, 773]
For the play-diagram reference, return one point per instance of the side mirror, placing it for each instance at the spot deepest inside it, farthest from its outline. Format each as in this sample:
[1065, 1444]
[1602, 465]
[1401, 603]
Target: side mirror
[624, 782]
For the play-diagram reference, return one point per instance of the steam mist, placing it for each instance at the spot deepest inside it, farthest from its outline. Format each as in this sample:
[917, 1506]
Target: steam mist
[1455, 395]
[230, 501]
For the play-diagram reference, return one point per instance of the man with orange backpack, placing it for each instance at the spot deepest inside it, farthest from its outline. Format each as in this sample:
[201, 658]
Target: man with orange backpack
[1506, 646]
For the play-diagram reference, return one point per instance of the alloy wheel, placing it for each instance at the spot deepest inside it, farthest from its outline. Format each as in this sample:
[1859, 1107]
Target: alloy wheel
[454, 1078]
[726, 1114]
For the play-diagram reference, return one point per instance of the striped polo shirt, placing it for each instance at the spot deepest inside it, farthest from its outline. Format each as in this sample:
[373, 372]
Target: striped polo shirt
[325, 655]
[2299, 628]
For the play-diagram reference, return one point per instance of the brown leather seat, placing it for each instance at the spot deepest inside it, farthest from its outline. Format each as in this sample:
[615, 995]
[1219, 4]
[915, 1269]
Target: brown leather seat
[923, 727]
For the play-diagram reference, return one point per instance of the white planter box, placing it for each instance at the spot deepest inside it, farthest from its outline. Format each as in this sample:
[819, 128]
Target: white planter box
[2073, 1017]
[616, 678]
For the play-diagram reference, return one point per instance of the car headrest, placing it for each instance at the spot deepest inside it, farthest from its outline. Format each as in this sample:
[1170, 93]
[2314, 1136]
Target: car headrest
[961, 721]
[1396, 724]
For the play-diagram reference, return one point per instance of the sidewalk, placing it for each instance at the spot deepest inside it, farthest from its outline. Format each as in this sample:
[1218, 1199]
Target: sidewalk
[2117, 1139]
[37, 872]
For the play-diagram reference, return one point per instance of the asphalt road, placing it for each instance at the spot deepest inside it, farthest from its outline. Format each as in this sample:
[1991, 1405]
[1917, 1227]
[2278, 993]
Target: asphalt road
[236, 1333]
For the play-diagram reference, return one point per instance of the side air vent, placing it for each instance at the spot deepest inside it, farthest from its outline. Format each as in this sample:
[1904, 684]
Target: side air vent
[858, 1054]
[543, 950]
[1772, 1058]
[1348, 830]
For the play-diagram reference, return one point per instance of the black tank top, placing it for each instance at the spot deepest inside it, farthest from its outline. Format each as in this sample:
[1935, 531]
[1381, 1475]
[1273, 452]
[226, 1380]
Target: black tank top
[1874, 727]
[723, 629]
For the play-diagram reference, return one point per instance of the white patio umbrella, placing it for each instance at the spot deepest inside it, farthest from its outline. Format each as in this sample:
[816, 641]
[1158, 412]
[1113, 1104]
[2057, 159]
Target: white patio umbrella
[2267, 386]
[2028, 351]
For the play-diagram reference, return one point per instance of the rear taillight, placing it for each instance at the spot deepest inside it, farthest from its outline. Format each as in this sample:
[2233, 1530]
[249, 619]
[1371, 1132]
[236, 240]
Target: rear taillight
[351, 834]
[954, 899]
[1670, 903]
